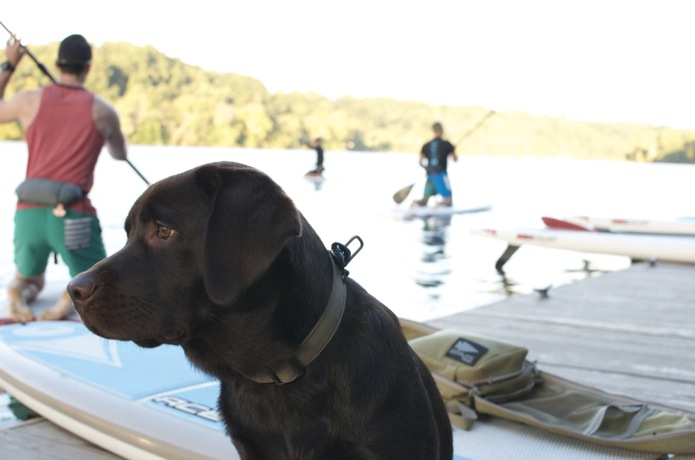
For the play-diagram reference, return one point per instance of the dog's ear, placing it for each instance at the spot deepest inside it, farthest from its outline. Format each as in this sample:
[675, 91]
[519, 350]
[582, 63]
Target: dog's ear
[251, 220]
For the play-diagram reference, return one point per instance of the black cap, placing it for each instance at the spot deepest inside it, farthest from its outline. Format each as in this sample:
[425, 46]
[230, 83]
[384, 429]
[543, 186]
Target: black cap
[74, 50]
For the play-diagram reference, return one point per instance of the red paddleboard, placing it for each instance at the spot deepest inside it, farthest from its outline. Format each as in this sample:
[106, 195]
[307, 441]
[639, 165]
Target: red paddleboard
[564, 225]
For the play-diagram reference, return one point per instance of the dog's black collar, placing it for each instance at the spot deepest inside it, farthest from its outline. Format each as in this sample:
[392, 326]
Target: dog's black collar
[317, 339]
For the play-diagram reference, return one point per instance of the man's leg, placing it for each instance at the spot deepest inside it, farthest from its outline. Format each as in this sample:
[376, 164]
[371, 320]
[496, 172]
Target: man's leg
[21, 292]
[429, 192]
[60, 310]
[421, 202]
[77, 238]
[441, 183]
[31, 253]
[448, 201]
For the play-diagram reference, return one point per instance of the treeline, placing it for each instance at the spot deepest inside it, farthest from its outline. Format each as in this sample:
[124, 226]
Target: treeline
[164, 101]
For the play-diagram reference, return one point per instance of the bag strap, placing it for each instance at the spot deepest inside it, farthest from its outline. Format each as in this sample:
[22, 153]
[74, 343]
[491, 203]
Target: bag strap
[460, 415]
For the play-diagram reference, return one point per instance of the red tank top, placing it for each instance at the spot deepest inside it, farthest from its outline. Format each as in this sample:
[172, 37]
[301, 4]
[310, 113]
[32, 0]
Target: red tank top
[64, 142]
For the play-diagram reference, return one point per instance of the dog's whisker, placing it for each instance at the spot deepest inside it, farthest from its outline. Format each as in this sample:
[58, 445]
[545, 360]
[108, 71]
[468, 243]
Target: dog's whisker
[221, 321]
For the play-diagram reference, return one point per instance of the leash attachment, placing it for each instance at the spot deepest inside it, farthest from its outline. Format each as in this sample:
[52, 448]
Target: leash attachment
[342, 255]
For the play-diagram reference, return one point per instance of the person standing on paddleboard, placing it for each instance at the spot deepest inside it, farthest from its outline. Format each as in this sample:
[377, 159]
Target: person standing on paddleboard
[433, 157]
[319, 157]
[65, 127]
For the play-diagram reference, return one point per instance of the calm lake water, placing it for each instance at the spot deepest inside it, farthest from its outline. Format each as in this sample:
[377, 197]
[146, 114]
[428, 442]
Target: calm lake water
[421, 269]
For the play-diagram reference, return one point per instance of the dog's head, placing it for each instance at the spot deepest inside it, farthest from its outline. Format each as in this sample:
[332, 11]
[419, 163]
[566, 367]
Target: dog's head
[196, 240]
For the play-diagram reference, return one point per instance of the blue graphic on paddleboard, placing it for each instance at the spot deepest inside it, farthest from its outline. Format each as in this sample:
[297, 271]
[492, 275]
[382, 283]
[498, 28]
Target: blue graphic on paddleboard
[121, 368]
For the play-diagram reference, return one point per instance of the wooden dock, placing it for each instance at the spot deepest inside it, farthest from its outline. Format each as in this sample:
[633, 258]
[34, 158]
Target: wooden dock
[40, 439]
[630, 332]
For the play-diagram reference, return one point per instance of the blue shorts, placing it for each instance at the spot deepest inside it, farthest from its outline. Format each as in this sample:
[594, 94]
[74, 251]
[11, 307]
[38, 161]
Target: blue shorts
[438, 183]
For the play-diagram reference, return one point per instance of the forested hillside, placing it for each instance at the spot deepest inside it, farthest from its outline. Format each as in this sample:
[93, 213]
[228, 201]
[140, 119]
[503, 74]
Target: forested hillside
[165, 101]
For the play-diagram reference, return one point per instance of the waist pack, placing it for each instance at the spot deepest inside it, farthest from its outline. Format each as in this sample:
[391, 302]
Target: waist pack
[48, 192]
[480, 375]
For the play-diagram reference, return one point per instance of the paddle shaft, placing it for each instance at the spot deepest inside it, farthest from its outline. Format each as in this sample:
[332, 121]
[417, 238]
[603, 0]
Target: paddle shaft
[45, 71]
[40, 65]
[475, 128]
[138, 172]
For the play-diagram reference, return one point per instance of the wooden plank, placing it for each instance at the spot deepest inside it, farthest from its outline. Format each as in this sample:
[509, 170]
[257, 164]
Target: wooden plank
[574, 346]
[39, 439]
[673, 394]
[654, 301]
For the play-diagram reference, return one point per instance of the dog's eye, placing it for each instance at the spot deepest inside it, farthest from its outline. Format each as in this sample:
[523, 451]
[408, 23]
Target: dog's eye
[164, 232]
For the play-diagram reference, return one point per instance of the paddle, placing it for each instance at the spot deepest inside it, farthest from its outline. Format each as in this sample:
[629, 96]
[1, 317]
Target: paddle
[45, 71]
[137, 172]
[402, 194]
[41, 67]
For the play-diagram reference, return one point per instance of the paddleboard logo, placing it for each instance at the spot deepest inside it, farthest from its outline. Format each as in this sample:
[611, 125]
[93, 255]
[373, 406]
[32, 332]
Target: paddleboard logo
[466, 351]
[189, 407]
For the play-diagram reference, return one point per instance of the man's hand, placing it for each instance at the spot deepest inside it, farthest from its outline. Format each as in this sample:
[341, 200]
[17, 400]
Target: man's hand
[14, 51]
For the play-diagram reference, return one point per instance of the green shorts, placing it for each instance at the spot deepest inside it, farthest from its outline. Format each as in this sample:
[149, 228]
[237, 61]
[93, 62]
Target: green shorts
[37, 233]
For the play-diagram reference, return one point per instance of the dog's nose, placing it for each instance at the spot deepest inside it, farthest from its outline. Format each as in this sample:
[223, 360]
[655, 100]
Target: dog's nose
[81, 288]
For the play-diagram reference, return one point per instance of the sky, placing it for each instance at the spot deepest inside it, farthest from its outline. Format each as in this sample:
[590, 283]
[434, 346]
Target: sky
[596, 60]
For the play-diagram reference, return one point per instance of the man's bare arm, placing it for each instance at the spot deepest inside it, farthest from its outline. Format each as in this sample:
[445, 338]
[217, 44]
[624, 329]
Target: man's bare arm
[109, 125]
[23, 106]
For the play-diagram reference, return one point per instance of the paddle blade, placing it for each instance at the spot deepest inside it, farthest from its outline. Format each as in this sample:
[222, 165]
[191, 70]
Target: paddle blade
[402, 194]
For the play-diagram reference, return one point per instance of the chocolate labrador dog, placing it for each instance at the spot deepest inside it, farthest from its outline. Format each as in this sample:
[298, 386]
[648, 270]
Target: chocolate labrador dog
[219, 261]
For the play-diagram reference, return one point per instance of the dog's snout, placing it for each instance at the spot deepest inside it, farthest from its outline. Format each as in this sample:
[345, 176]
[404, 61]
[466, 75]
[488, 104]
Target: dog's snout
[81, 288]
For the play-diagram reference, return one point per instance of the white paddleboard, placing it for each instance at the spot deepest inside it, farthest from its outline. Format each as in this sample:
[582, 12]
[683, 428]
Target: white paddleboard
[434, 211]
[671, 248]
[675, 226]
[150, 404]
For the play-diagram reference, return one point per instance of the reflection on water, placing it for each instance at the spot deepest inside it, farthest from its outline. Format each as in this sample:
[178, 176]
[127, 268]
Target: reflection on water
[508, 285]
[587, 268]
[434, 270]
[316, 180]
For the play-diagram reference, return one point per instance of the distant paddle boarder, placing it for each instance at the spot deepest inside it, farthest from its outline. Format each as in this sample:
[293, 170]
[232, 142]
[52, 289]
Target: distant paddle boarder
[318, 170]
[433, 157]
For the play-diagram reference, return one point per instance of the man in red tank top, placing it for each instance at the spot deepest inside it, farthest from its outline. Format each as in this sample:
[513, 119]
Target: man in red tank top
[65, 127]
